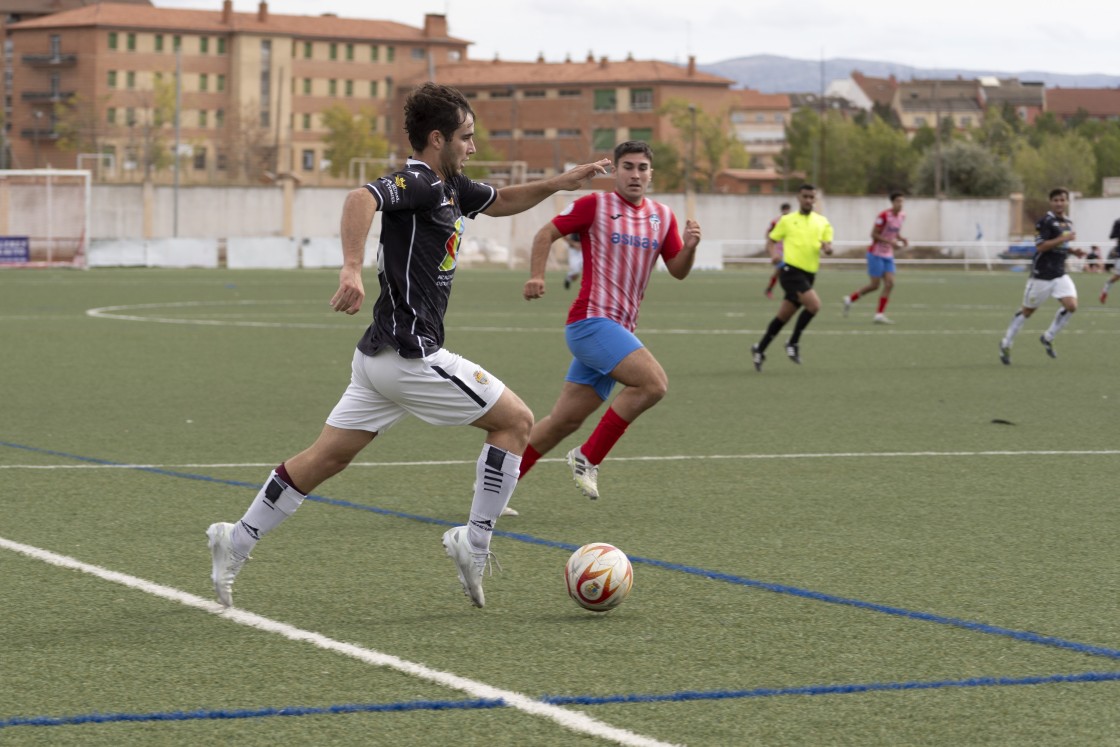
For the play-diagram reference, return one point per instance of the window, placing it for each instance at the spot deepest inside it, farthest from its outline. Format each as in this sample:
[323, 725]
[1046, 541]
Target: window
[602, 139]
[308, 157]
[505, 93]
[204, 45]
[779, 118]
[760, 118]
[334, 51]
[159, 42]
[374, 53]
[419, 53]
[532, 134]
[130, 80]
[332, 87]
[605, 100]
[307, 121]
[203, 118]
[130, 40]
[222, 45]
[350, 52]
[112, 79]
[570, 93]
[966, 121]
[219, 118]
[200, 159]
[533, 94]
[641, 133]
[349, 88]
[130, 116]
[220, 161]
[920, 121]
[568, 132]
[641, 99]
[307, 86]
[390, 54]
[112, 40]
[373, 89]
[111, 115]
[266, 83]
[307, 50]
[500, 134]
[176, 42]
[221, 82]
[203, 82]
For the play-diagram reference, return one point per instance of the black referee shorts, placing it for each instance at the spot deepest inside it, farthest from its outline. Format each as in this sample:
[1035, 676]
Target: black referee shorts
[795, 281]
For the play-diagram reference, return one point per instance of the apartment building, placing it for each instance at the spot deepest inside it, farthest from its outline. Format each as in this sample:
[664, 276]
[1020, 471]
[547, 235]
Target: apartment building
[251, 87]
[924, 103]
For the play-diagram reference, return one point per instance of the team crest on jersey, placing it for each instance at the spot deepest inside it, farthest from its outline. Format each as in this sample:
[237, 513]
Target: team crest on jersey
[400, 182]
[655, 220]
[481, 377]
[452, 247]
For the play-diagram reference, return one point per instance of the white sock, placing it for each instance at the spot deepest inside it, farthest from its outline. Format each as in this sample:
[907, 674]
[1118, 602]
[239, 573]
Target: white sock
[1108, 284]
[496, 473]
[1061, 319]
[1017, 323]
[275, 502]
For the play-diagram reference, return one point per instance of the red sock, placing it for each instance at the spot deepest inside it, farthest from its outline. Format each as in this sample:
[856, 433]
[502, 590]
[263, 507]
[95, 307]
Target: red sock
[604, 437]
[854, 297]
[282, 473]
[528, 459]
[770, 285]
[883, 303]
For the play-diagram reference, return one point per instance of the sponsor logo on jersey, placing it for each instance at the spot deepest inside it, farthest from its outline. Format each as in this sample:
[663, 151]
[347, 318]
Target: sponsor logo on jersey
[452, 247]
[642, 242]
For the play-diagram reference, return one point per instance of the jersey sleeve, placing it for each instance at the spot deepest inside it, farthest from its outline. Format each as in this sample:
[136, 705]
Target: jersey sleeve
[1045, 229]
[672, 244]
[577, 216]
[778, 232]
[826, 232]
[404, 190]
[474, 197]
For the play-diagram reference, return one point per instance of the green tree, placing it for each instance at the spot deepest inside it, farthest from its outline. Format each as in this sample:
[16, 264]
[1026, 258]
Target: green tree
[844, 156]
[968, 170]
[668, 167]
[714, 145]
[891, 160]
[1065, 160]
[924, 139]
[1107, 152]
[484, 151]
[351, 135]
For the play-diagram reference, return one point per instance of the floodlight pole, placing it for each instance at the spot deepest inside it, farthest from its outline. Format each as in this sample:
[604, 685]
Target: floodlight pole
[178, 106]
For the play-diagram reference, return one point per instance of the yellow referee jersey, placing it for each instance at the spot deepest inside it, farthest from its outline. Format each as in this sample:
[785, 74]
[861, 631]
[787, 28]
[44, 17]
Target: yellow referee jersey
[801, 236]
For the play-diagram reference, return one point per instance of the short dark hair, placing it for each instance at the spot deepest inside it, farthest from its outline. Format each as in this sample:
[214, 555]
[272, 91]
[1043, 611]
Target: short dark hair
[433, 107]
[806, 186]
[1058, 191]
[633, 146]
[785, 206]
[896, 194]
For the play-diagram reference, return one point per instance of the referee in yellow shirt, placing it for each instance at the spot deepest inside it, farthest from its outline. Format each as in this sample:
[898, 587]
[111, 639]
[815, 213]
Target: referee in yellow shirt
[804, 235]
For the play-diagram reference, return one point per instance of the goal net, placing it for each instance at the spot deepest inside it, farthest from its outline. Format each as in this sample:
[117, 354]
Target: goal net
[44, 218]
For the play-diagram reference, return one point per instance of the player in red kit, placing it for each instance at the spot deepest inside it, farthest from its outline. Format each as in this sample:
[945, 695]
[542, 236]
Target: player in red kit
[886, 236]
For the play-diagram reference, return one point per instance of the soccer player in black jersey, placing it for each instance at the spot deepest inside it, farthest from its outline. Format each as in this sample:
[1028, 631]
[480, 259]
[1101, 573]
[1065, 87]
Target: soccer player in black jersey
[401, 367]
[1048, 279]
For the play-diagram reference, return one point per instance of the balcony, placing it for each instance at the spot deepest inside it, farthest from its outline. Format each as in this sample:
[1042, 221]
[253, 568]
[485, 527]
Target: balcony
[50, 60]
[43, 96]
[38, 133]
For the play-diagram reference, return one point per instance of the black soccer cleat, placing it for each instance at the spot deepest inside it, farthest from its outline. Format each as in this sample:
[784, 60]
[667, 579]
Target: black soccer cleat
[758, 357]
[1049, 348]
[1005, 354]
[793, 353]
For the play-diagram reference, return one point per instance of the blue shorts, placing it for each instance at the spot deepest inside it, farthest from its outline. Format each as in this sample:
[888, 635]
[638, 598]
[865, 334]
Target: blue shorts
[598, 346]
[878, 266]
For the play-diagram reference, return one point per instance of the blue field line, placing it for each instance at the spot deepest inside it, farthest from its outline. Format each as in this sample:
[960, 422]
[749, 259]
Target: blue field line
[1019, 635]
[103, 718]
[561, 700]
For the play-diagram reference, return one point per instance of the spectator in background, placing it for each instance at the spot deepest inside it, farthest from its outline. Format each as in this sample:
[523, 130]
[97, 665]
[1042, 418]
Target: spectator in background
[1093, 259]
[575, 260]
[1112, 267]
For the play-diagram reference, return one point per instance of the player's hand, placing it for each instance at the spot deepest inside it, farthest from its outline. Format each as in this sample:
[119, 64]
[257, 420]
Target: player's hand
[350, 293]
[534, 288]
[691, 234]
[579, 177]
[827, 249]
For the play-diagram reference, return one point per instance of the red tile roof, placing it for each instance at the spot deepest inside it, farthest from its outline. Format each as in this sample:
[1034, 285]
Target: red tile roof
[1098, 102]
[119, 16]
[496, 72]
[748, 98]
[879, 90]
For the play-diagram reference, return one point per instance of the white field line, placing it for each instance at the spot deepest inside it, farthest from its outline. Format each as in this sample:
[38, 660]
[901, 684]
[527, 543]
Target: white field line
[670, 458]
[572, 720]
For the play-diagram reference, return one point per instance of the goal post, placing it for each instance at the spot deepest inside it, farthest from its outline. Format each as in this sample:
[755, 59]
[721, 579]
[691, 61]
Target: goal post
[44, 217]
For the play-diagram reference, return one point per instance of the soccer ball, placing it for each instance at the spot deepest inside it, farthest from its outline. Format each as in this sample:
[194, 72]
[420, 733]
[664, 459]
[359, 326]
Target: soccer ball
[599, 577]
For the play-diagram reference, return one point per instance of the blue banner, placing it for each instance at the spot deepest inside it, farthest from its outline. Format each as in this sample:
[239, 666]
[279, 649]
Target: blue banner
[14, 249]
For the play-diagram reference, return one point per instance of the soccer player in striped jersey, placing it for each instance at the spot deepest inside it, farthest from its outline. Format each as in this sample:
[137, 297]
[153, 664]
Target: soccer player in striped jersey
[623, 233]
[886, 236]
[775, 248]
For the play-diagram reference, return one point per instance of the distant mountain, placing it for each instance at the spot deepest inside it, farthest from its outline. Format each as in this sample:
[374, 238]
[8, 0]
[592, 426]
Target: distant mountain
[774, 74]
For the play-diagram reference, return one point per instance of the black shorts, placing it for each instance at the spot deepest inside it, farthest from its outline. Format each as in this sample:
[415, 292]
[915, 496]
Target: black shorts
[796, 281]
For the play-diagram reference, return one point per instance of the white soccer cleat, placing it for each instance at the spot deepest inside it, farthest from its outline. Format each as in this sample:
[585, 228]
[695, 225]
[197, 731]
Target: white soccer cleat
[881, 319]
[584, 473]
[470, 564]
[510, 511]
[847, 304]
[226, 563]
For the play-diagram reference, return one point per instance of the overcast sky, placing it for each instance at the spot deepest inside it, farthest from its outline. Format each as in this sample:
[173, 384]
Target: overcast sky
[1071, 36]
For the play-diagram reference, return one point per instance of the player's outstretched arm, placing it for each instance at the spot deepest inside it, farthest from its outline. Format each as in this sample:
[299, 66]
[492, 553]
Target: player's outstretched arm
[518, 198]
[538, 261]
[357, 217]
[680, 265]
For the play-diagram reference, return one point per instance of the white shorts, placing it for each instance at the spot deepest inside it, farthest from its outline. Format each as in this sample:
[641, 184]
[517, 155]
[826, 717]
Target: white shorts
[441, 389]
[1039, 290]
